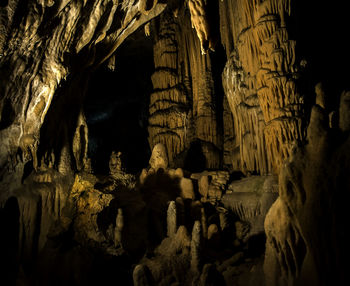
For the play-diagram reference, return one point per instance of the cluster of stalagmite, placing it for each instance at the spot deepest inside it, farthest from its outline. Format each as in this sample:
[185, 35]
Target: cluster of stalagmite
[260, 81]
[197, 225]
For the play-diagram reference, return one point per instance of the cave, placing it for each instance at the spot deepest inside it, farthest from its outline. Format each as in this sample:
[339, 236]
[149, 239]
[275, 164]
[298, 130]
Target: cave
[174, 142]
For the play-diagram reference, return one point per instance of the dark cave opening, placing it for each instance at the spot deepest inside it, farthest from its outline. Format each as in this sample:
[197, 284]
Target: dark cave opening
[116, 106]
[9, 240]
[316, 29]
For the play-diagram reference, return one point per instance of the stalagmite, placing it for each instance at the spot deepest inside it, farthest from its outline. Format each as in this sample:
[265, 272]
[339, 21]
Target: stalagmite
[344, 111]
[140, 277]
[159, 157]
[115, 163]
[250, 143]
[196, 246]
[171, 219]
[80, 142]
[118, 231]
[204, 223]
[65, 162]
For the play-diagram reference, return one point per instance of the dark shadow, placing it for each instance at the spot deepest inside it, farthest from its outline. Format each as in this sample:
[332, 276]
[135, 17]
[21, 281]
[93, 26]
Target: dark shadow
[235, 176]
[61, 119]
[195, 160]
[9, 240]
[317, 28]
[4, 3]
[116, 106]
[157, 190]
[64, 262]
[256, 245]
[7, 115]
[28, 169]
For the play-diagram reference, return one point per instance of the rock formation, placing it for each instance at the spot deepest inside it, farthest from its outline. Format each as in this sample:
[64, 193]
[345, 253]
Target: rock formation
[296, 228]
[182, 106]
[260, 81]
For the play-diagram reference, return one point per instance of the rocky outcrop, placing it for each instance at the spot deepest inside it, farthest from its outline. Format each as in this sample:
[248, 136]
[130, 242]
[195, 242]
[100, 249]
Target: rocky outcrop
[260, 81]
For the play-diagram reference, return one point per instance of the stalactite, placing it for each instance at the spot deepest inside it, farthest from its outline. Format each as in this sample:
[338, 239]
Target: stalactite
[182, 105]
[80, 142]
[200, 23]
[265, 65]
[168, 103]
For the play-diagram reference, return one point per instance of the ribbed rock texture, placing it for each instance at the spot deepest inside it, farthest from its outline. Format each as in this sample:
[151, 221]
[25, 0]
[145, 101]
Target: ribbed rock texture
[182, 106]
[260, 80]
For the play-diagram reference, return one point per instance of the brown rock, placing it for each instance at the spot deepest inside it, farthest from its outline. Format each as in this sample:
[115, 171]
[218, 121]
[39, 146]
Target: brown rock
[159, 157]
[186, 187]
[344, 111]
[203, 186]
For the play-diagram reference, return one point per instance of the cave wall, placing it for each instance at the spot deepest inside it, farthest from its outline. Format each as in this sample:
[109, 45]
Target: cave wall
[43, 43]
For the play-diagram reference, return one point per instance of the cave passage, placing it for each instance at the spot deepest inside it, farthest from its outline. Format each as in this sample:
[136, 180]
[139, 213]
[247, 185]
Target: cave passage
[116, 106]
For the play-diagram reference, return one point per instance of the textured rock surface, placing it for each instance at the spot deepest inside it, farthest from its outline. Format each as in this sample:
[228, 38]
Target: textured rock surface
[182, 106]
[310, 210]
[38, 42]
[159, 157]
[260, 81]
